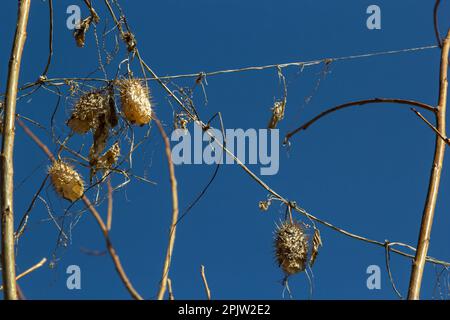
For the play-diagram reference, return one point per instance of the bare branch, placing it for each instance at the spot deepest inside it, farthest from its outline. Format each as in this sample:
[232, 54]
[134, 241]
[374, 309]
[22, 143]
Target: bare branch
[205, 282]
[355, 104]
[30, 270]
[110, 204]
[447, 140]
[435, 178]
[436, 23]
[169, 285]
[7, 165]
[173, 183]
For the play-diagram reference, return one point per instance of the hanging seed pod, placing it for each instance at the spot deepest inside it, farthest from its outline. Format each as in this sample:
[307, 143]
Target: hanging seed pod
[130, 40]
[66, 181]
[135, 100]
[277, 113]
[291, 247]
[110, 157]
[88, 112]
[106, 161]
[180, 121]
[264, 205]
[80, 32]
[316, 243]
[101, 135]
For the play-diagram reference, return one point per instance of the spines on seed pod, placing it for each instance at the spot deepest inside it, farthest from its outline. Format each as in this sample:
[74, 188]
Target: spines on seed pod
[135, 101]
[66, 181]
[291, 247]
[88, 111]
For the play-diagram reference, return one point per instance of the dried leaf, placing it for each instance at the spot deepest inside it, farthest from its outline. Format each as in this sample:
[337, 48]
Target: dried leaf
[316, 243]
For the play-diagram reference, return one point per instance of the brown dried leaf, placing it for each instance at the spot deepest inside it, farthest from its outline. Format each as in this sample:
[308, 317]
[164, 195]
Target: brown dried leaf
[316, 243]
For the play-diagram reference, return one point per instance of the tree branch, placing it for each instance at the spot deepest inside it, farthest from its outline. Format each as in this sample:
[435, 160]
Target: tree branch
[447, 140]
[433, 187]
[173, 227]
[7, 166]
[355, 104]
[30, 270]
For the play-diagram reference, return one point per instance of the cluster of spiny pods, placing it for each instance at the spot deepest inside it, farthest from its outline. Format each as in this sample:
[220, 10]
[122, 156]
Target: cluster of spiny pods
[95, 112]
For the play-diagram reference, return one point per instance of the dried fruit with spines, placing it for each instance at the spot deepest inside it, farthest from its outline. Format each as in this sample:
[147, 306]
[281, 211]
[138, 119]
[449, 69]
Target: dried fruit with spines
[106, 161]
[80, 32]
[66, 181]
[135, 101]
[89, 111]
[130, 40]
[291, 247]
[264, 205]
[110, 157]
[277, 113]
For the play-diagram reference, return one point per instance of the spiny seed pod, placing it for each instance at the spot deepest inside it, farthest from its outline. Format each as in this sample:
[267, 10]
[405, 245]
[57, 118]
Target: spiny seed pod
[110, 157]
[291, 247]
[135, 100]
[264, 205]
[66, 181]
[87, 112]
[130, 40]
[80, 32]
[277, 113]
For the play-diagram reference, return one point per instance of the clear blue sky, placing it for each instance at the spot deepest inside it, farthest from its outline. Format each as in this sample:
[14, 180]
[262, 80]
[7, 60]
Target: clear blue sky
[363, 169]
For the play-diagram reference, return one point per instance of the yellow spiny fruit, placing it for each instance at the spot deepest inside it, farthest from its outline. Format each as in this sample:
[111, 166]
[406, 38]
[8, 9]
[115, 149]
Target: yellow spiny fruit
[88, 110]
[66, 181]
[135, 101]
[291, 247]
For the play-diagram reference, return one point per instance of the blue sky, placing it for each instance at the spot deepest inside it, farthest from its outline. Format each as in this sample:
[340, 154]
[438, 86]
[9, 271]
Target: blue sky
[363, 169]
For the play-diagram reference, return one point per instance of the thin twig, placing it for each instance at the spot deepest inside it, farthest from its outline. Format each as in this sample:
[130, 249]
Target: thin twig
[112, 251]
[354, 104]
[388, 267]
[30, 270]
[446, 140]
[110, 204]
[436, 23]
[169, 286]
[7, 166]
[435, 178]
[173, 183]
[205, 282]
[50, 41]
